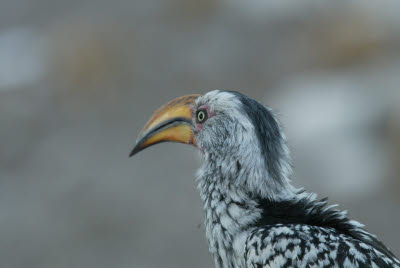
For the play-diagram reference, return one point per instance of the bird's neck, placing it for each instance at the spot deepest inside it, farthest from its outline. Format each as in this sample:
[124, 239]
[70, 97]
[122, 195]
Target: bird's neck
[229, 214]
[228, 188]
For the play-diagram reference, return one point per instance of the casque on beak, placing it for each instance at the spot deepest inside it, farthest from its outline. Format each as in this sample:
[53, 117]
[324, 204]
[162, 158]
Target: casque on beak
[171, 122]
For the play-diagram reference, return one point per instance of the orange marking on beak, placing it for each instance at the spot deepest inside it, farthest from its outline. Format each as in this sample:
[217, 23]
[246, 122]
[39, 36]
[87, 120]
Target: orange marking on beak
[171, 122]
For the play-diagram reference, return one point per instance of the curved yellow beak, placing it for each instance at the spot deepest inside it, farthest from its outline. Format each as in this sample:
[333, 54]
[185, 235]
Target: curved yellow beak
[171, 122]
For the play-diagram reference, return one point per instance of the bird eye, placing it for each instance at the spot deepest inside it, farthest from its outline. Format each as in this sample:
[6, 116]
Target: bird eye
[201, 115]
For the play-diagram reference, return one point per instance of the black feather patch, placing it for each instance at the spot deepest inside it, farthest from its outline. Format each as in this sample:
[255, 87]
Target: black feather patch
[311, 212]
[268, 134]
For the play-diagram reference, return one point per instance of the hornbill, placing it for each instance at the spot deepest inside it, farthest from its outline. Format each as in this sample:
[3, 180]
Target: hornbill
[254, 217]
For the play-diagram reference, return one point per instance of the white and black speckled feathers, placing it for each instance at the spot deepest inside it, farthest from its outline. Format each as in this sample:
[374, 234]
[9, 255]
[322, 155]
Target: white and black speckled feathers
[254, 217]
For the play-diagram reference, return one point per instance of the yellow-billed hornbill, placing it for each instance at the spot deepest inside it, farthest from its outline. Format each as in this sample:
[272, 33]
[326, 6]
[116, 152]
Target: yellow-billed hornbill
[254, 217]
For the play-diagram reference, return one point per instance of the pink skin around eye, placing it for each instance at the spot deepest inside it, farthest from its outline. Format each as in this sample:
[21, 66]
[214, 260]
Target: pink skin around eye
[199, 126]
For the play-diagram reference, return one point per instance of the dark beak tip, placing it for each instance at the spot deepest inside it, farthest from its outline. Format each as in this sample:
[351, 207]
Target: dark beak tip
[135, 150]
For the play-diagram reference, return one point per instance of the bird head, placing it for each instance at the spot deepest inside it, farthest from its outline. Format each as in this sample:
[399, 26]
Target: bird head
[237, 136]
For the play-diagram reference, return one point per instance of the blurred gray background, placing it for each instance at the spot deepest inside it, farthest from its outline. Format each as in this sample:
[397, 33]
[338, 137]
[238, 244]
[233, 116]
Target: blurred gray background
[78, 80]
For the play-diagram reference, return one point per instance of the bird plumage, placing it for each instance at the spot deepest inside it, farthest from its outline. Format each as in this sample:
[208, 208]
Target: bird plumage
[254, 217]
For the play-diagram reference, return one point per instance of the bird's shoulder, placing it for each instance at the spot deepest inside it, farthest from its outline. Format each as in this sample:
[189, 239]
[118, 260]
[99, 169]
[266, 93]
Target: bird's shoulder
[297, 245]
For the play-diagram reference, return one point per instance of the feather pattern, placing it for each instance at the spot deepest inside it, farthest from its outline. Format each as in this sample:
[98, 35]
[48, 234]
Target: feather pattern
[254, 217]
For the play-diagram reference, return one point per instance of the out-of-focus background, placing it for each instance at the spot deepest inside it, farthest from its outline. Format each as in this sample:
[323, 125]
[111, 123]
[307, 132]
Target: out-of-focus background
[78, 80]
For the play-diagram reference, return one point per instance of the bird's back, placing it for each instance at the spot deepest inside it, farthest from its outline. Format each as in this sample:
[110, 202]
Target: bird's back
[301, 245]
[305, 232]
